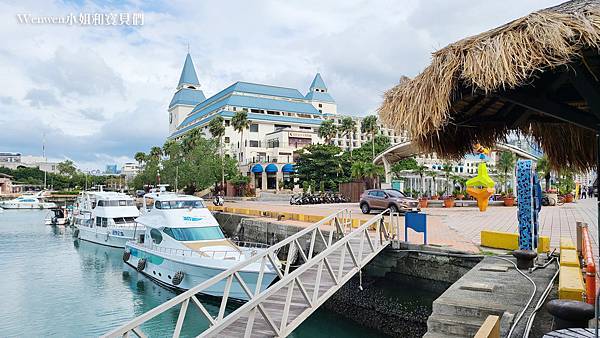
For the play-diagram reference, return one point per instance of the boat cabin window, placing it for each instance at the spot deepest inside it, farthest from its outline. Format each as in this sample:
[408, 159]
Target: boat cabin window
[156, 236]
[101, 203]
[102, 221]
[178, 204]
[195, 234]
[116, 203]
[124, 220]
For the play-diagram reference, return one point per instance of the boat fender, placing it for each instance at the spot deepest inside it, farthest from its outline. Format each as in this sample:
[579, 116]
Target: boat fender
[76, 233]
[126, 255]
[141, 265]
[177, 278]
[107, 234]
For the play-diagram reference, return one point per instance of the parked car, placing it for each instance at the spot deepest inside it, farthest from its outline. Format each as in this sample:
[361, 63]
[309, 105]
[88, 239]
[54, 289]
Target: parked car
[140, 193]
[381, 199]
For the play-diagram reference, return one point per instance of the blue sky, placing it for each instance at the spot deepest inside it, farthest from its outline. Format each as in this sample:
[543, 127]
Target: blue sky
[100, 94]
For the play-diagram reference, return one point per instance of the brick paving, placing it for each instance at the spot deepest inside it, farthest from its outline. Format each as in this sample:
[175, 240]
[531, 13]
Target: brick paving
[460, 227]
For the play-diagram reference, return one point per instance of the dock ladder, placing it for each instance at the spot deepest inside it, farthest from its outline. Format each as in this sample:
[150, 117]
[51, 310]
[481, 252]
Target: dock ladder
[333, 252]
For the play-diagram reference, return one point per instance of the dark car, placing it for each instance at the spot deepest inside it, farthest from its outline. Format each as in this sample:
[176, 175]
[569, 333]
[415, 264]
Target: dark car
[381, 199]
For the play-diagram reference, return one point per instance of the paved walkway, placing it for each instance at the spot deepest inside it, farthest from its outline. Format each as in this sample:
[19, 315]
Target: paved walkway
[460, 227]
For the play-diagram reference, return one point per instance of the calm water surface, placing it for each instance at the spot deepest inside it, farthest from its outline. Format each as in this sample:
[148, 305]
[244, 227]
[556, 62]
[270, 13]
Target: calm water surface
[52, 285]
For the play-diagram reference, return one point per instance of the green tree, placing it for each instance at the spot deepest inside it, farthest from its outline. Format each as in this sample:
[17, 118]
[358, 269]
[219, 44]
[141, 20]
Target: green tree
[447, 168]
[544, 170]
[405, 164]
[369, 126]
[327, 131]
[190, 139]
[348, 127]
[156, 153]
[67, 167]
[322, 162]
[240, 123]
[140, 157]
[217, 130]
[505, 164]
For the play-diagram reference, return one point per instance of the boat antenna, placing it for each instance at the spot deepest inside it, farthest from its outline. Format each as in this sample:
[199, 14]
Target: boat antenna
[44, 156]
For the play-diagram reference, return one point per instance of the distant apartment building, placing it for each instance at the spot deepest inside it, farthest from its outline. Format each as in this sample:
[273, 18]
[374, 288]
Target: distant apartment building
[130, 169]
[14, 160]
[282, 120]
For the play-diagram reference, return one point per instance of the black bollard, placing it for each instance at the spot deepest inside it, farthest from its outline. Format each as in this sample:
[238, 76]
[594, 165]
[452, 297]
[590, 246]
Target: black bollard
[570, 313]
[525, 258]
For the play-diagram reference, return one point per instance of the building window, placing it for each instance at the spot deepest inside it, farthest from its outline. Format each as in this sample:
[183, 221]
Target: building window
[227, 139]
[320, 110]
[254, 128]
[234, 108]
[228, 122]
[320, 105]
[253, 143]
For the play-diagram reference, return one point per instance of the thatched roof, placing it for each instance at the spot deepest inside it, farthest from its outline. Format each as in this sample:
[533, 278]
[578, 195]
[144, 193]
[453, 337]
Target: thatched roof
[479, 89]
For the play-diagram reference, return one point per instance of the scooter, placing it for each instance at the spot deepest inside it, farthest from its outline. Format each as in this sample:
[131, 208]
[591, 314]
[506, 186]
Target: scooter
[219, 201]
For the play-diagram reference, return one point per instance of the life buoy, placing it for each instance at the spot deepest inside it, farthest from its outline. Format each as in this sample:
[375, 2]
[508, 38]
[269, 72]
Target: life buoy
[126, 255]
[177, 278]
[141, 265]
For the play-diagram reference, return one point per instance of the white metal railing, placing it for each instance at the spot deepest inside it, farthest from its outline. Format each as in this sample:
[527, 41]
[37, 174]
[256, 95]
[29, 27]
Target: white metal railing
[220, 254]
[337, 242]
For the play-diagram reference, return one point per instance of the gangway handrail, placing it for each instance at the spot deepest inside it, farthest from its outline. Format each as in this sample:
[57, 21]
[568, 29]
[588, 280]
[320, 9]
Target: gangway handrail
[341, 219]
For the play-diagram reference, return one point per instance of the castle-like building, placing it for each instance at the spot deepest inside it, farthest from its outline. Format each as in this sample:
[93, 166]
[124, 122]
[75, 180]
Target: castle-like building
[282, 120]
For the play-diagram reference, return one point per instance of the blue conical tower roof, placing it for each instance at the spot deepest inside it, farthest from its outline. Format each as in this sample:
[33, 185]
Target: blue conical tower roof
[318, 82]
[188, 74]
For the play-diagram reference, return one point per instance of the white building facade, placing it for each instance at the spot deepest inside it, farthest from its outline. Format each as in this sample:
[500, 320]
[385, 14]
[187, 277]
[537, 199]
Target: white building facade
[282, 120]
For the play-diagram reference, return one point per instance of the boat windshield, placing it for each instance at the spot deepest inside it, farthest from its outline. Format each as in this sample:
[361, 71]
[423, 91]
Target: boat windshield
[116, 203]
[195, 234]
[178, 204]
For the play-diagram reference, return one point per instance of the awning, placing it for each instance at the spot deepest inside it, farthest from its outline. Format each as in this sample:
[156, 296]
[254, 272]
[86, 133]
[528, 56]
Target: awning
[271, 168]
[288, 168]
[257, 168]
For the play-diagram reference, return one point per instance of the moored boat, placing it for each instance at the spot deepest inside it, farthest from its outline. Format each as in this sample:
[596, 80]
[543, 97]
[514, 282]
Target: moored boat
[184, 246]
[28, 201]
[106, 218]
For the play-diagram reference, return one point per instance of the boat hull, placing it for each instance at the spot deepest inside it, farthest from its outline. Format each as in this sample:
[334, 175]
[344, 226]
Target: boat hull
[9, 205]
[115, 238]
[162, 269]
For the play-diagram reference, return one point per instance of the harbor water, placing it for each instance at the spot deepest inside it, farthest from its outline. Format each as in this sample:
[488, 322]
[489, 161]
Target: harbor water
[54, 285]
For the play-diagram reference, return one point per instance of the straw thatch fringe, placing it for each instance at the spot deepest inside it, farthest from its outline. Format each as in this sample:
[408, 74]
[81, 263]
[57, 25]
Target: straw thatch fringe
[505, 57]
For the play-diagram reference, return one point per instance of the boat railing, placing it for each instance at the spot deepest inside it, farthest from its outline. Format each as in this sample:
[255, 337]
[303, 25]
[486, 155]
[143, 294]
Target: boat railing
[220, 254]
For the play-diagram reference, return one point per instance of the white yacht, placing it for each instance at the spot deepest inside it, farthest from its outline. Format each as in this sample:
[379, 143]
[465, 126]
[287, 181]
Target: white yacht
[60, 216]
[184, 246]
[106, 218]
[28, 201]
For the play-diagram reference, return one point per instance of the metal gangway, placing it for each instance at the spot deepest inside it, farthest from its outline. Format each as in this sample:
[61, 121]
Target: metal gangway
[333, 253]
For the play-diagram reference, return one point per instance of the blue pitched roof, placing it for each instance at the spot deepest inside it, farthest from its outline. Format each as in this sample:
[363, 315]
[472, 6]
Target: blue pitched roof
[256, 88]
[188, 97]
[318, 82]
[188, 73]
[319, 96]
[250, 102]
[251, 116]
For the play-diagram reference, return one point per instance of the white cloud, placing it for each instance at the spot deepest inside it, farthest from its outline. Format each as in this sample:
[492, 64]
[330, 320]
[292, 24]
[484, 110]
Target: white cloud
[101, 93]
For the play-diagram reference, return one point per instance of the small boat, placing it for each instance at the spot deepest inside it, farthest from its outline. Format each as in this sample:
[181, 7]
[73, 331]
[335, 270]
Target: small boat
[28, 201]
[60, 216]
[184, 246]
[106, 218]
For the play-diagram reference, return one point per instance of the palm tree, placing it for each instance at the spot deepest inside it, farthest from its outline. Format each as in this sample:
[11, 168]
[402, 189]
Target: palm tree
[506, 163]
[421, 170]
[189, 141]
[369, 126]
[348, 127]
[240, 123]
[156, 152]
[217, 130]
[171, 149]
[140, 157]
[544, 169]
[447, 169]
[327, 131]
[433, 174]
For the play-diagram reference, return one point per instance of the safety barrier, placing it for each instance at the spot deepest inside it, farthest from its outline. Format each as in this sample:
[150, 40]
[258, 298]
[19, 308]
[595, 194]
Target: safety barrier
[590, 266]
[509, 240]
